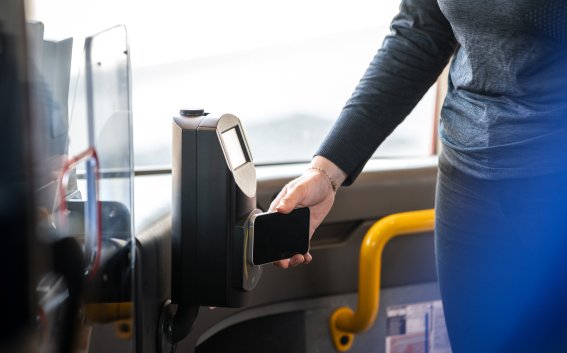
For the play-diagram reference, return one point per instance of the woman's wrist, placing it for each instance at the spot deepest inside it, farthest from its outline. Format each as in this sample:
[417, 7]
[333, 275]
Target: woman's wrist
[322, 171]
[324, 166]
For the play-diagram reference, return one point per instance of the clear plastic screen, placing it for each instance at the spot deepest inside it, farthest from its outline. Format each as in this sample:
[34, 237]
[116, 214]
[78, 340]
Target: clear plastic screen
[108, 111]
[109, 133]
[101, 137]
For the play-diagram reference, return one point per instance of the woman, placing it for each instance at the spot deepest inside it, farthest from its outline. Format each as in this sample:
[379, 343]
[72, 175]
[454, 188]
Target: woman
[501, 201]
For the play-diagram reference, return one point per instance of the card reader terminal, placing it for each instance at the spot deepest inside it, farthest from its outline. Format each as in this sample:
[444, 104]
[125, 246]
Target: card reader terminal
[219, 237]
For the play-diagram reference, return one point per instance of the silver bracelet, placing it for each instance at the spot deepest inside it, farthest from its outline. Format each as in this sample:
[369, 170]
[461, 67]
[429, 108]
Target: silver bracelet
[334, 185]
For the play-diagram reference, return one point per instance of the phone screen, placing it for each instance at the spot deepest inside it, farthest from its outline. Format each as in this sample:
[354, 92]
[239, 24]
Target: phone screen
[279, 236]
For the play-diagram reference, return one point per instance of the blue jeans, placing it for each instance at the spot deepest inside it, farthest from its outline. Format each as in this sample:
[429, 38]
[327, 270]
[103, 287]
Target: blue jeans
[501, 250]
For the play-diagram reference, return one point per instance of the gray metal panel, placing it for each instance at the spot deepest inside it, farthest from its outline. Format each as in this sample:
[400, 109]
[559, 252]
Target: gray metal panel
[315, 321]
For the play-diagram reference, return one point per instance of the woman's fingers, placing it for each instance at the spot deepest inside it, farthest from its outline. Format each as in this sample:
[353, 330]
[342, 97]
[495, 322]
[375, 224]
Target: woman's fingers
[294, 261]
[297, 260]
[293, 197]
[278, 198]
[282, 263]
[308, 258]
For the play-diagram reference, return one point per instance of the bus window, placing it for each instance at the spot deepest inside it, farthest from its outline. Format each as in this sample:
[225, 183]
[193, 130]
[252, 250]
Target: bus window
[288, 66]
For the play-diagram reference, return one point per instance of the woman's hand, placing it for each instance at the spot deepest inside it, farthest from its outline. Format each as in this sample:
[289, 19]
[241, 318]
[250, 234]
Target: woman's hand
[313, 189]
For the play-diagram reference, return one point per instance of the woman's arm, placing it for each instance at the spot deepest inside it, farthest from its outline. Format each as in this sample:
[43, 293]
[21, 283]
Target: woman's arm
[411, 59]
[409, 62]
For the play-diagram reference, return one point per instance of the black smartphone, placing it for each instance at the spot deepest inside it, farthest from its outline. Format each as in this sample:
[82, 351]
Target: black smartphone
[276, 236]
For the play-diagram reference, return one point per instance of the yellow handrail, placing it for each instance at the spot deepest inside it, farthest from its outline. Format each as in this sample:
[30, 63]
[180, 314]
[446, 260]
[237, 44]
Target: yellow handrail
[344, 322]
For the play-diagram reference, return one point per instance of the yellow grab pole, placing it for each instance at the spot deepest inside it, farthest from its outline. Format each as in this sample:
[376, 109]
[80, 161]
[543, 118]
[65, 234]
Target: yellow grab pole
[344, 322]
[109, 312]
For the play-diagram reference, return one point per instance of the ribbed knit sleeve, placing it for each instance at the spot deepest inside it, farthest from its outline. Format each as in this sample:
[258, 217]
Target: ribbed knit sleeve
[410, 60]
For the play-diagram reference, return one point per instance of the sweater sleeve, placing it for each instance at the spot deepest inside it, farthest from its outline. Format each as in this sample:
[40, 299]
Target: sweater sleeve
[412, 56]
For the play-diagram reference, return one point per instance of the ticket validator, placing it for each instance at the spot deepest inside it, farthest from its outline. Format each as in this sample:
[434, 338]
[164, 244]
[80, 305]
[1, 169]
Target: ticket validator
[219, 238]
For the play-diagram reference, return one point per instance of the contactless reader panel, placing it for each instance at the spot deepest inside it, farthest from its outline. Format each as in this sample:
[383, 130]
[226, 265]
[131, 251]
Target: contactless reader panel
[214, 213]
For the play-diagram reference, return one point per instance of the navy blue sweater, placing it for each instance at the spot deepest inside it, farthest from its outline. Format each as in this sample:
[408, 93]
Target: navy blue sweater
[505, 114]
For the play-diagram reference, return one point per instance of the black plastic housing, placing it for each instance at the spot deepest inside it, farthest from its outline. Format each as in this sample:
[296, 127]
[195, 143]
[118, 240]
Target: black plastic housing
[211, 204]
